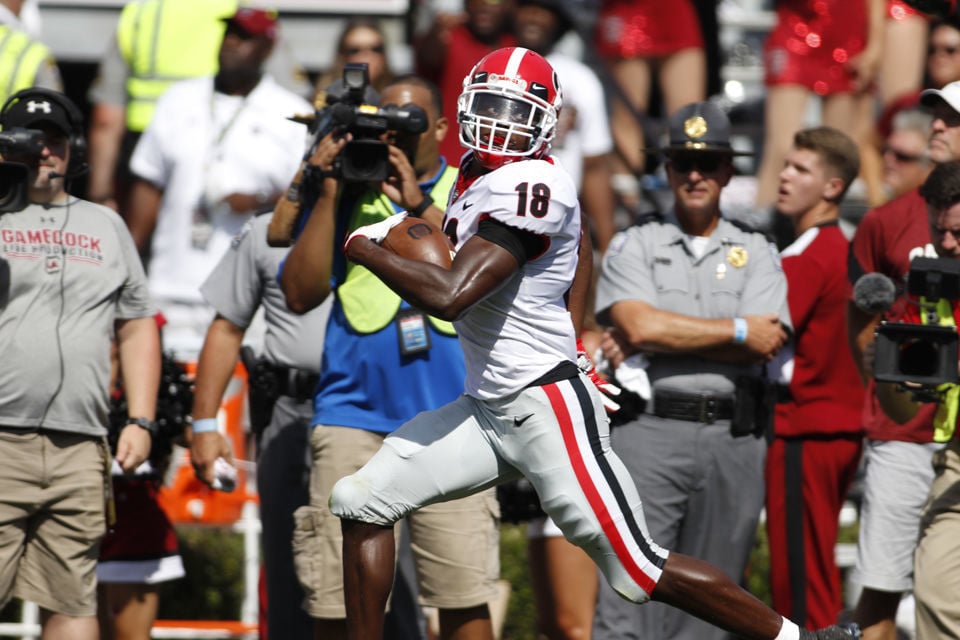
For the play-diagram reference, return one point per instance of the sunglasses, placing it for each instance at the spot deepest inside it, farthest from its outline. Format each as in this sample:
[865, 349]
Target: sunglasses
[703, 164]
[352, 51]
[949, 50]
[902, 157]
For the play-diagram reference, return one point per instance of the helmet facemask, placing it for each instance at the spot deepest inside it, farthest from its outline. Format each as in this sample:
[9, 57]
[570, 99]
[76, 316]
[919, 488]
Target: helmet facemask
[503, 118]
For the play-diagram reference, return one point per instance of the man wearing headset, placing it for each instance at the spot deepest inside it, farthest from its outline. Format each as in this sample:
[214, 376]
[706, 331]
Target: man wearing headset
[70, 282]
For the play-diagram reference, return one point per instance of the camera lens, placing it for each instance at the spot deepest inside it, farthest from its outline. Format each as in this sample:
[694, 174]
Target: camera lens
[918, 358]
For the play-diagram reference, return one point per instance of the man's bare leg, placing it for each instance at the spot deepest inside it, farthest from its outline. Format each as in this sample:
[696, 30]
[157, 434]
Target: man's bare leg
[368, 563]
[703, 590]
[58, 626]
[472, 623]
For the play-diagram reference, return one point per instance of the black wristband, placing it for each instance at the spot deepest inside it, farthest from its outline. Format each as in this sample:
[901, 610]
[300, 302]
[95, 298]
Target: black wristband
[144, 423]
[418, 210]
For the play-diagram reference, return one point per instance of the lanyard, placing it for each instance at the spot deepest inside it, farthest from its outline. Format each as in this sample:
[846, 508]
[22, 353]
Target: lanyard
[229, 124]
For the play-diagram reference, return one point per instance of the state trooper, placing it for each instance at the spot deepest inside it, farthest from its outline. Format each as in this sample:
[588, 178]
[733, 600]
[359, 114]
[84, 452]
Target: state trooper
[701, 302]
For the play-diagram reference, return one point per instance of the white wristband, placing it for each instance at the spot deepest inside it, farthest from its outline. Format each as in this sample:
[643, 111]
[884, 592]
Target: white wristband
[739, 330]
[205, 425]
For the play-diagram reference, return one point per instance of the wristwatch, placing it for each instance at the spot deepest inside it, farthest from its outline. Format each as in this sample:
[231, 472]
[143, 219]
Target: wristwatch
[149, 425]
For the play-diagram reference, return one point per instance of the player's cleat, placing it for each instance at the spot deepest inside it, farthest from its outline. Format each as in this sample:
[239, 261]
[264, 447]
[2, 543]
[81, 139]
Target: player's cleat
[847, 631]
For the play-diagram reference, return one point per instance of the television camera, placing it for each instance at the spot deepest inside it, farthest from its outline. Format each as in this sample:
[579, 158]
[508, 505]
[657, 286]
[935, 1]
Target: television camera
[348, 110]
[922, 354]
[14, 176]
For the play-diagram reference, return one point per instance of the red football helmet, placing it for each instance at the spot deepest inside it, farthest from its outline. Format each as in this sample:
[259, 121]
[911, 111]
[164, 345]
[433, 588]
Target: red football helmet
[509, 106]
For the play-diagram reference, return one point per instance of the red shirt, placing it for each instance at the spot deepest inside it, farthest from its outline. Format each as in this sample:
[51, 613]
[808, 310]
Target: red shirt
[827, 394]
[887, 239]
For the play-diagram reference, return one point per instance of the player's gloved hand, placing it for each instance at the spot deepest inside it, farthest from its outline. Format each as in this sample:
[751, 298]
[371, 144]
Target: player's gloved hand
[376, 231]
[608, 390]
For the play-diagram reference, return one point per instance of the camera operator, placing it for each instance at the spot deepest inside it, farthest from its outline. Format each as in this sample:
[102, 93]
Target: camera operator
[897, 473]
[373, 378]
[937, 557]
[73, 281]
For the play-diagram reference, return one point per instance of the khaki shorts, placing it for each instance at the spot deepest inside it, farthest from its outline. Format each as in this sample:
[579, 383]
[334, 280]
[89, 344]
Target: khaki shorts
[455, 544]
[51, 518]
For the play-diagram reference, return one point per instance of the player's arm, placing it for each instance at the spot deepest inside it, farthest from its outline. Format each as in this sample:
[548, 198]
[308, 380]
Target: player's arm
[598, 199]
[482, 265]
[578, 299]
[138, 348]
[218, 358]
[307, 269]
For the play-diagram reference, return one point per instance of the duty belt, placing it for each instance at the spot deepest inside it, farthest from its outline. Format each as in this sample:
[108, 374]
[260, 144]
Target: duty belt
[296, 383]
[704, 408]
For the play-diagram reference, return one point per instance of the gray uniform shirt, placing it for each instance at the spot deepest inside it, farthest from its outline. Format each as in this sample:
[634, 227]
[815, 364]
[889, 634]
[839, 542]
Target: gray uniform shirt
[244, 278]
[739, 274]
[67, 272]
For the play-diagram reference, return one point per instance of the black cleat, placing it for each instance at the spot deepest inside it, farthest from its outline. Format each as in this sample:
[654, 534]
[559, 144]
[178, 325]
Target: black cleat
[846, 631]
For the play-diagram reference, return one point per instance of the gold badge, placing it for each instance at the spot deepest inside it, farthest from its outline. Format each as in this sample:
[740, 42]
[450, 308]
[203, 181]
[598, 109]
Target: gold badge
[737, 257]
[695, 127]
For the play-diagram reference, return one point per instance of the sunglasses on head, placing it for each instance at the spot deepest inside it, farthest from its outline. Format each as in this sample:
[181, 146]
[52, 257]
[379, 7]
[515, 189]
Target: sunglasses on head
[352, 51]
[707, 163]
[902, 157]
[947, 49]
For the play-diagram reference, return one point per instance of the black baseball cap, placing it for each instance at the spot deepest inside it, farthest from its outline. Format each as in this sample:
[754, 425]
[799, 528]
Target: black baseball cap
[34, 109]
[700, 127]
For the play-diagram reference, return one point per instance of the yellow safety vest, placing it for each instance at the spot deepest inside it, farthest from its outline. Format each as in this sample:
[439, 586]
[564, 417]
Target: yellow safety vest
[945, 419]
[20, 60]
[164, 41]
[368, 304]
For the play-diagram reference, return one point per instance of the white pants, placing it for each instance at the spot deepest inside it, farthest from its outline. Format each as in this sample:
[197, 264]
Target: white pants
[557, 435]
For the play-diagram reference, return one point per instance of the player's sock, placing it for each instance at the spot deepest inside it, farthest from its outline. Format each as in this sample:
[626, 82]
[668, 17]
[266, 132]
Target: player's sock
[788, 631]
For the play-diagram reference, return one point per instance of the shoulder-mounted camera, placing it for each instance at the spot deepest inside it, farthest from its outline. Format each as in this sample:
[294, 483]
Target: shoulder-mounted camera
[924, 354]
[349, 109]
[14, 176]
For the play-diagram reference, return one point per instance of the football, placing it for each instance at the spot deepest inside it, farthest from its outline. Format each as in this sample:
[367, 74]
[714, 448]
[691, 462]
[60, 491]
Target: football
[937, 8]
[418, 239]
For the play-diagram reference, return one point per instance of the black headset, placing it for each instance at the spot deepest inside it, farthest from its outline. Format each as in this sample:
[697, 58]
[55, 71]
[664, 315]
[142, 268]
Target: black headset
[78, 142]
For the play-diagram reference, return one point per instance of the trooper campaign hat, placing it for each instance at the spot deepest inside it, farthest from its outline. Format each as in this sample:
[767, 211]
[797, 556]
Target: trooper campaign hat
[700, 127]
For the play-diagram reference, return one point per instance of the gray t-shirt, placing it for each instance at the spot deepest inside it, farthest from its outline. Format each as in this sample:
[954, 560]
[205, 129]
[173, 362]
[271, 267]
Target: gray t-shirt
[67, 272]
[738, 274]
[245, 278]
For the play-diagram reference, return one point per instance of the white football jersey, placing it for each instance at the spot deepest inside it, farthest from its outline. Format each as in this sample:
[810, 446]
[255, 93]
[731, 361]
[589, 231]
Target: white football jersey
[522, 330]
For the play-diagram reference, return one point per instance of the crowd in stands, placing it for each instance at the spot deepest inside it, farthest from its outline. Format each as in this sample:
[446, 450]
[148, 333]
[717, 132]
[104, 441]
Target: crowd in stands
[735, 359]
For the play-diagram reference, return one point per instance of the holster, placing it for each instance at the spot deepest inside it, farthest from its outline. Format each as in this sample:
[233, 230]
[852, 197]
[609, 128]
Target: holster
[263, 389]
[754, 404]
